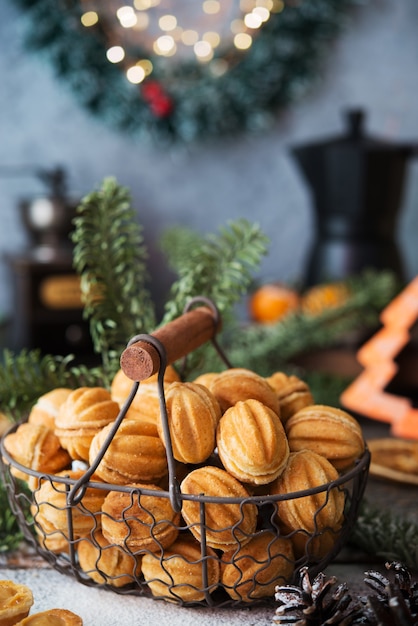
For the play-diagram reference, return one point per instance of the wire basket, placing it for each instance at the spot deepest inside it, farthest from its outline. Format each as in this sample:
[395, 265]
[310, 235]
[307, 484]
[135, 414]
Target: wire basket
[159, 551]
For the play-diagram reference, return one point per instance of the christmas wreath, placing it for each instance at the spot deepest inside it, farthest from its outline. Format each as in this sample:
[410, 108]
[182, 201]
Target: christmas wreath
[186, 101]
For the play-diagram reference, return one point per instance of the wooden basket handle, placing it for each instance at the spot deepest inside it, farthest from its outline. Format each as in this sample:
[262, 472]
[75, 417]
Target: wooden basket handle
[140, 360]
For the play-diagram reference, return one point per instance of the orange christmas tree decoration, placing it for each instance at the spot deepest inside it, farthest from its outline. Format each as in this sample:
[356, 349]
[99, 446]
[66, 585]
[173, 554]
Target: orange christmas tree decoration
[366, 395]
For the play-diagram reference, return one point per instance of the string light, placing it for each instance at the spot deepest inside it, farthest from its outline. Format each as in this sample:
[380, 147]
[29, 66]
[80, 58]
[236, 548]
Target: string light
[243, 41]
[115, 54]
[211, 7]
[90, 18]
[166, 29]
[135, 74]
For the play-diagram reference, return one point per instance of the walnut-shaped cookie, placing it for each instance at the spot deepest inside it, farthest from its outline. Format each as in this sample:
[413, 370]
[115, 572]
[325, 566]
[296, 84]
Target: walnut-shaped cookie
[193, 414]
[86, 411]
[252, 443]
[329, 431]
[178, 574]
[226, 523]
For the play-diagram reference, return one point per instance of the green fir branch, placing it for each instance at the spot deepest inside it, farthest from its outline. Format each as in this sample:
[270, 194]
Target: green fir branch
[10, 534]
[217, 266]
[110, 257]
[384, 534]
[176, 244]
[27, 375]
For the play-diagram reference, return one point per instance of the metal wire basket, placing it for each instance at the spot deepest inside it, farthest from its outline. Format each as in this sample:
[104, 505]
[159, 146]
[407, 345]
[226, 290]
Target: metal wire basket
[176, 562]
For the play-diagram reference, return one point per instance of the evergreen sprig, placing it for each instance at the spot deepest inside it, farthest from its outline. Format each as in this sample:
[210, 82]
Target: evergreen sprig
[382, 533]
[110, 257]
[10, 534]
[217, 266]
[27, 375]
[176, 243]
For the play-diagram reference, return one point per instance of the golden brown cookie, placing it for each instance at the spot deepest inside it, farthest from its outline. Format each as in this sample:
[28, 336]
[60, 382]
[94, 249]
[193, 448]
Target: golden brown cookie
[235, 384]
[36, 447]
[178, 575]
[48, 536]
[293, 393]
[139, 521]
[145, 405]
[86, 411]
[146, 402]
[135, 454]
[16, 601]
[106, 563]
[5, 423]
[314, 546]
[252, 443]
[121, 384]
[395, 459]
[46, 408]
[193, 414]
[226, 523]
[51, 505]
[257, 568]
[329, 431]
[206, 379]
[314, 512]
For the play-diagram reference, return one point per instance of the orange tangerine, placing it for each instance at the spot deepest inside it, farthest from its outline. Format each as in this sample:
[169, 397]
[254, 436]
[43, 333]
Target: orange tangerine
[324, 296]
[271, 302]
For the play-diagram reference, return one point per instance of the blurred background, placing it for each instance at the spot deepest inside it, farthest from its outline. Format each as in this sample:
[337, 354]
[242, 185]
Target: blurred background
[372, 65]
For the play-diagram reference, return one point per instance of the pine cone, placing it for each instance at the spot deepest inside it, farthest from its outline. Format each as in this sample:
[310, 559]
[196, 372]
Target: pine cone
[314, 604]
[395, 603]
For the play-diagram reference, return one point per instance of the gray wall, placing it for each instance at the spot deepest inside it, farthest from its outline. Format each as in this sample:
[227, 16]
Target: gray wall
[373, 65]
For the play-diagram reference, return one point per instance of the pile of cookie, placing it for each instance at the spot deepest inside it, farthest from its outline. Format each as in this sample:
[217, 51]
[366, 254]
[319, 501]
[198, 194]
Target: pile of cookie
[245, 447]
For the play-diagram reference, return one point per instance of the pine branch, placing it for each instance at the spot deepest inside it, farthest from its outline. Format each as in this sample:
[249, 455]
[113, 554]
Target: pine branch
[25, 376]
[218, 266]
[176, 243]
[10, 534]
[383, 534]
[110, 257]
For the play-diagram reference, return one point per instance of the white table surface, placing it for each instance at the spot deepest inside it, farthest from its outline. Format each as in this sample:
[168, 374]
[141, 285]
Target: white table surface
[98, 607]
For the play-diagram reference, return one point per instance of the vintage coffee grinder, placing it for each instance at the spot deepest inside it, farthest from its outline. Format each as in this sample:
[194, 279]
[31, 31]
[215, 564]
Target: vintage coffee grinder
[48, 217]
[357, 184]
[48, 307]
